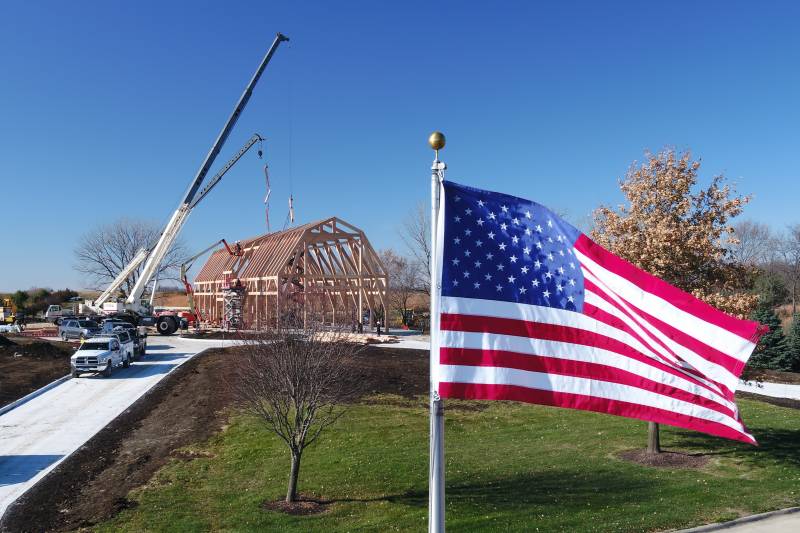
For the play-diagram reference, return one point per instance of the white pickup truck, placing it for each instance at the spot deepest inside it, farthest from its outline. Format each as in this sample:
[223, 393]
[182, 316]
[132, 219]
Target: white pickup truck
[100, 354]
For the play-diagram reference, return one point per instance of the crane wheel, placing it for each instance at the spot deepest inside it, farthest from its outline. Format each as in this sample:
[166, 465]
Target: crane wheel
[166, 325]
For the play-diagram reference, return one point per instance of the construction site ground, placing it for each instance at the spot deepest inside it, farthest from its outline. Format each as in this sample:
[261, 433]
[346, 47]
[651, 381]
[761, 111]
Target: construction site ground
[42, 432]
[28, 363]
[187, 406]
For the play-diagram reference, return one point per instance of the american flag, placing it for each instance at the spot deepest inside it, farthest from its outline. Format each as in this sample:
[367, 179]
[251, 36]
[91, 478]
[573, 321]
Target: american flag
[532, 310]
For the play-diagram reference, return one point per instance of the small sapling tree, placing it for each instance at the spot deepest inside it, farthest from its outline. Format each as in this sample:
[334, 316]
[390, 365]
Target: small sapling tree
[298, 383]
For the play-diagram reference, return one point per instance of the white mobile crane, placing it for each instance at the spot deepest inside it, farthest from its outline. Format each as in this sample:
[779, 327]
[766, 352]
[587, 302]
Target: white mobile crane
[167, 324]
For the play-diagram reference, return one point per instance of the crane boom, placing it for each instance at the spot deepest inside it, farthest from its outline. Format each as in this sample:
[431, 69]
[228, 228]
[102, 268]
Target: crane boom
[218, 176]
[178, 219]
[137, 260]
[237, 111]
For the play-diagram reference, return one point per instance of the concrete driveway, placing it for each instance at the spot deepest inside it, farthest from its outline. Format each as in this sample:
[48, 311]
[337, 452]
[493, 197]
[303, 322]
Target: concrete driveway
[39, 434]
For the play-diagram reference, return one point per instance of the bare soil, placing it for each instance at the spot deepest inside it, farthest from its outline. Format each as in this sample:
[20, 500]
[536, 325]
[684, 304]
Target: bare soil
[665, 459]
[773, 376]
[27, 364]
[302, 506]
[355, 338]
[780, 402]
[93, 483]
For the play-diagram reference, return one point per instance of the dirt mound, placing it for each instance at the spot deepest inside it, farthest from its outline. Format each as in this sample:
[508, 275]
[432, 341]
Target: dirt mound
[393, 371]
[6, 341]
[665, 459]
[780, 402]
[28, 364]
[36, 349]
[773, 376]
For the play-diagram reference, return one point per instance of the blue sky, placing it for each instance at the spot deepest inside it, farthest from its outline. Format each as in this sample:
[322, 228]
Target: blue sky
[108, 108]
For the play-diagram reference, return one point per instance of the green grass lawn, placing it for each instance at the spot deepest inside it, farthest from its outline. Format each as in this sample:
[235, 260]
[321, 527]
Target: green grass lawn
[509, 467]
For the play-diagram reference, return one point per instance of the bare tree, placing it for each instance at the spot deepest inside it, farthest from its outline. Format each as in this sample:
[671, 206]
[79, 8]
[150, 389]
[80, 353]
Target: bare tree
[788, 264]
[297, 383]
[752, 243]
[416, 234]
[403, 281]
[104, 251]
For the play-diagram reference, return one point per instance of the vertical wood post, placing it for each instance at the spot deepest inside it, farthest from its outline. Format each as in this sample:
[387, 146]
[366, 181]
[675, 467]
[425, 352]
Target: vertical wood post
[653, 440]
[360, 290]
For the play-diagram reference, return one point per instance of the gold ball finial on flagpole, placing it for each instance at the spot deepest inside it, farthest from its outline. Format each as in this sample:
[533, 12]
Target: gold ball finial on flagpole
[437, 140]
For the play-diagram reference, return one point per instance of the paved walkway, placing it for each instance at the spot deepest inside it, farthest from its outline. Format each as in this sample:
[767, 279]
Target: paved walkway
[784, 521]
[36, 436]
[776, 390]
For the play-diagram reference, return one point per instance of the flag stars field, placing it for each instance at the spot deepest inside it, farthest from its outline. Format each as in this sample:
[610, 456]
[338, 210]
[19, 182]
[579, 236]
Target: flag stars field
[517, 226]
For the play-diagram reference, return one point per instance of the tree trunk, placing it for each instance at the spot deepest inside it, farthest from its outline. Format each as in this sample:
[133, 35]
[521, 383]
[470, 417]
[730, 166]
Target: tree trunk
[653, 440]
[291, 493]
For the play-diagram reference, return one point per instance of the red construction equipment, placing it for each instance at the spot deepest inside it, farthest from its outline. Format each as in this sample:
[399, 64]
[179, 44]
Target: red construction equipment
[235, 251]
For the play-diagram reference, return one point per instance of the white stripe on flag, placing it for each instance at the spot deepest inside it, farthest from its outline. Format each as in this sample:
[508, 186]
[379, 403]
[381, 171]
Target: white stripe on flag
[575, 352]
[544, 315]
[584, 386]
[710, 334]
[559, 317]
[707, 368]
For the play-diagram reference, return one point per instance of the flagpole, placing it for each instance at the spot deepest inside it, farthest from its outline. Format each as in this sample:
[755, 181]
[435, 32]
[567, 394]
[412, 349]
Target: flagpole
[436, 467]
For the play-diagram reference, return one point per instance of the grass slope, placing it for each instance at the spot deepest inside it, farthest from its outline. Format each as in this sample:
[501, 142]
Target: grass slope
[509, 467]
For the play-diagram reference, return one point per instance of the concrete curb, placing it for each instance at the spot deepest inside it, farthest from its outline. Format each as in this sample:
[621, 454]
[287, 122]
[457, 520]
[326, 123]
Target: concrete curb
[721, 526]
[34, 394]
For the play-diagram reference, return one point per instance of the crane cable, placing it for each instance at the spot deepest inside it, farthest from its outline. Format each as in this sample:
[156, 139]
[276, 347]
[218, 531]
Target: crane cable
[266, 179]
[289, 82]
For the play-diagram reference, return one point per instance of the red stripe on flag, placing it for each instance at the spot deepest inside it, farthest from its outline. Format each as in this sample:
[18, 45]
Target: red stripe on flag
[552, 332]
[569, 367]
[470, 391]
[731, 364]
[689, 373]
[652, 342]
[684, 301]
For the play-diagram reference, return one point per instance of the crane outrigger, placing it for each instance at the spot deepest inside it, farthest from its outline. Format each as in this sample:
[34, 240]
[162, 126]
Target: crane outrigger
[153, 256]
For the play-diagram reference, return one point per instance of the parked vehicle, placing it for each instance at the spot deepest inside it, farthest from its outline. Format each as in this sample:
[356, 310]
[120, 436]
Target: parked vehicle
[138, 334]
[7, 312]
[73, 328]
[55, 313]
[99, 354]
[126, 343]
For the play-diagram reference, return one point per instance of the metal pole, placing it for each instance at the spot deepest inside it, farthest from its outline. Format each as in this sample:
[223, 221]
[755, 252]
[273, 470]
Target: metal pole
[436, 472]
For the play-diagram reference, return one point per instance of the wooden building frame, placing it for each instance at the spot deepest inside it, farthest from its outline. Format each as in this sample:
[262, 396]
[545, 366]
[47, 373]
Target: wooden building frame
[327, 269]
